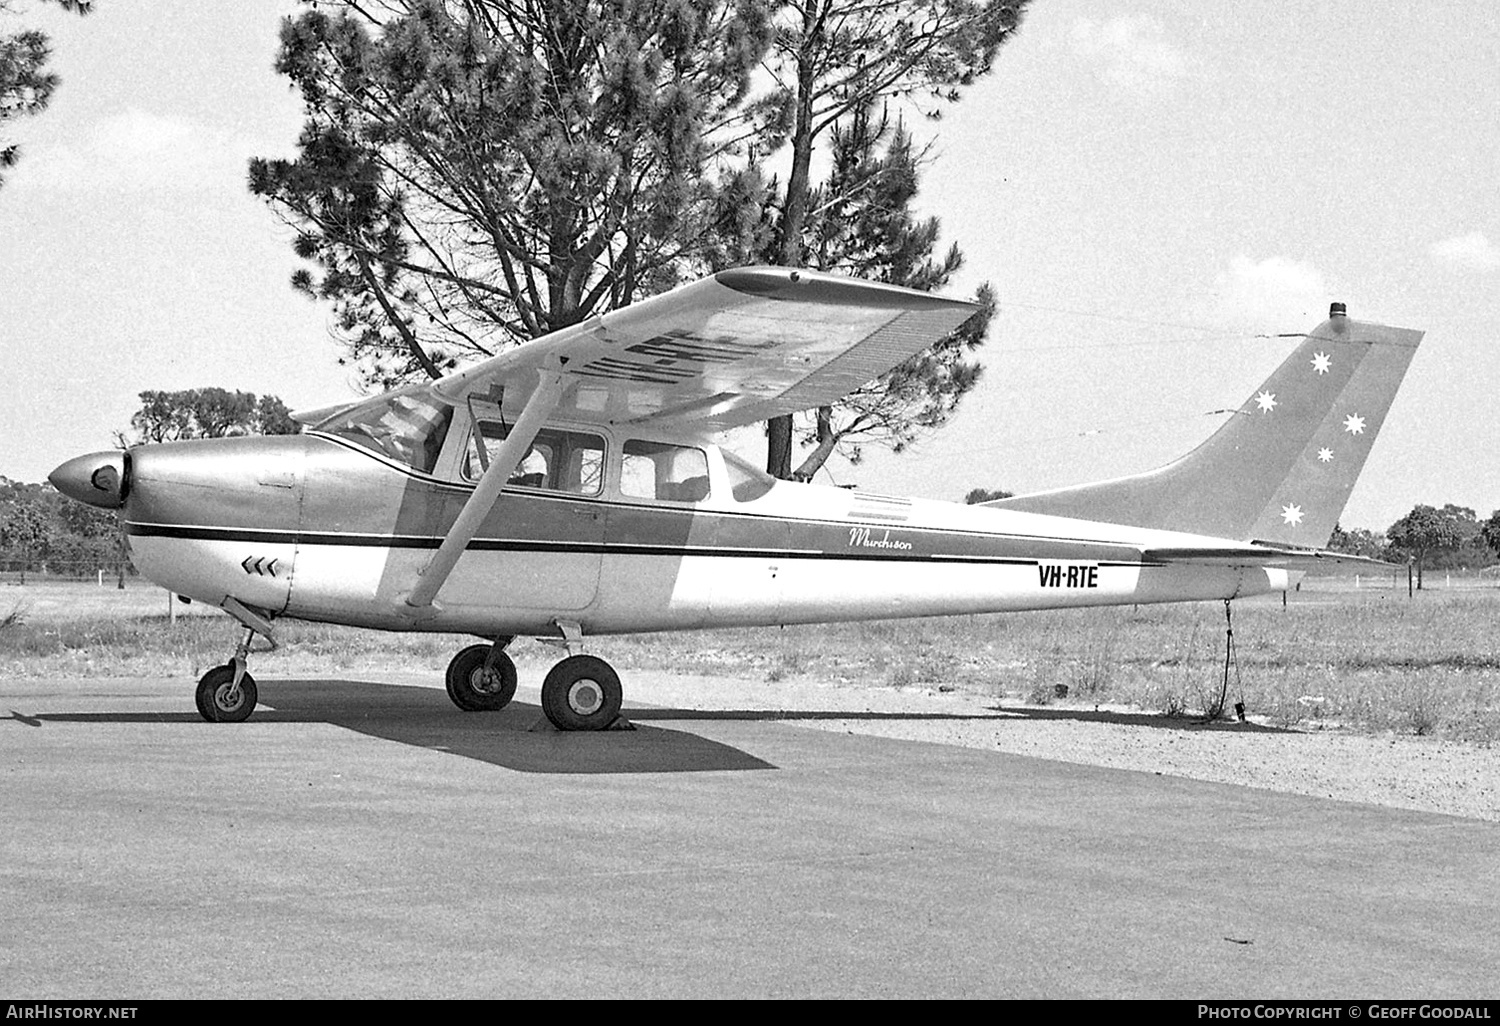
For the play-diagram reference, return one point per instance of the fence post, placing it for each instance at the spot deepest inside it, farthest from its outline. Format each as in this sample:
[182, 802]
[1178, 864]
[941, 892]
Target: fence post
[171, 609]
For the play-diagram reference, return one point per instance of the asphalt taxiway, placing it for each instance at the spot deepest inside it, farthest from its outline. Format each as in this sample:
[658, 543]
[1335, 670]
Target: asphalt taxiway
[363, 839]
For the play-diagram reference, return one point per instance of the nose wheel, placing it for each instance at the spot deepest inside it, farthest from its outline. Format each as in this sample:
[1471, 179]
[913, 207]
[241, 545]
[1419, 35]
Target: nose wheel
[582, 693]
[226, 694]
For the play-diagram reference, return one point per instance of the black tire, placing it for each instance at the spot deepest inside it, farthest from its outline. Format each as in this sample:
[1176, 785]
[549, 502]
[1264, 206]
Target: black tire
[214, 704]
[582, 693]
[474, 690]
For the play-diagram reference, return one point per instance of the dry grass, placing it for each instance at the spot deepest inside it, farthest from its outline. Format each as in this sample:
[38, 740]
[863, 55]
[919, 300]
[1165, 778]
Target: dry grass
[1370, 660]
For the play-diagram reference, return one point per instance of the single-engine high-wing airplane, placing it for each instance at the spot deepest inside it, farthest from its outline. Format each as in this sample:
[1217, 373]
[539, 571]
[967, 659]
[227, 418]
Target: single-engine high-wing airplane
[568, 487]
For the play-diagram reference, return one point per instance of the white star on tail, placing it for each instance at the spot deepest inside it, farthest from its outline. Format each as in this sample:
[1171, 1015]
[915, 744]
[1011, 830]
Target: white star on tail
[1325, 455]
[1291, 514]
[1321, 362]
[1266, 401]
[1354, 424]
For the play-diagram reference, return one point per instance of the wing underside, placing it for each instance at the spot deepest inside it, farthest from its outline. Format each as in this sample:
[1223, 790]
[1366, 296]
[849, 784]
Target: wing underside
[739, 347]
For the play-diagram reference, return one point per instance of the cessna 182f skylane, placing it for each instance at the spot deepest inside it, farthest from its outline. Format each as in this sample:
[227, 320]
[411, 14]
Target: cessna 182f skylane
[567, 487]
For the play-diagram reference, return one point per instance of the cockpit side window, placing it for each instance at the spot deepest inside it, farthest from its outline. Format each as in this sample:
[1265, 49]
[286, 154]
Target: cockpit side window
[409, 426]
[661, 470]
[559, 460]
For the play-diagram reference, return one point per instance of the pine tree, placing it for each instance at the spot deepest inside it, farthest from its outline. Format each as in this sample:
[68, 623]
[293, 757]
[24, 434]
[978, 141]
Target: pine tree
[26, 85]
[860, 222]
[475, 174]
[832, 58]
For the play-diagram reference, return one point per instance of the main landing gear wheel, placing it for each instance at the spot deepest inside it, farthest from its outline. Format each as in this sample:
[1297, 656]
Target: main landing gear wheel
[219, 701]
[476, 689]
[582, 693]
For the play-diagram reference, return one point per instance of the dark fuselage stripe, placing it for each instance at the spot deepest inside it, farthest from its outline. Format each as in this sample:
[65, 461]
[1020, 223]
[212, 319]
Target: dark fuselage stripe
[515, 545]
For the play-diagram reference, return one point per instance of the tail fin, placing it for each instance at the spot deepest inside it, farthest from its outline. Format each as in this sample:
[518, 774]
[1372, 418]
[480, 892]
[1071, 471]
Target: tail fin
[1283, 466]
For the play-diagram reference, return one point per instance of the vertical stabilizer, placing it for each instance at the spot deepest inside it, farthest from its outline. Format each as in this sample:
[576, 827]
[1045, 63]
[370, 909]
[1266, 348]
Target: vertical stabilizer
[1283, 466]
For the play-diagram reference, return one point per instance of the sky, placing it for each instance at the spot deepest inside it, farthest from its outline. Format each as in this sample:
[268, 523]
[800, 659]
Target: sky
[1148, 186]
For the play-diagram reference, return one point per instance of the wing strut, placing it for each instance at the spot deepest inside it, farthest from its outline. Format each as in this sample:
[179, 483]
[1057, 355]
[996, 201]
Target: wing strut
[503, 463]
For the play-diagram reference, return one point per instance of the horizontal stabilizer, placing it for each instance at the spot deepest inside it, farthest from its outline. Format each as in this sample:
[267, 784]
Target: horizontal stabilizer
[1268, 555]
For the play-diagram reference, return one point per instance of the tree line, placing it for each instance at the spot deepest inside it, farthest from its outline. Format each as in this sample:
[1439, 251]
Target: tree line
[42, 530]
[1450, 537]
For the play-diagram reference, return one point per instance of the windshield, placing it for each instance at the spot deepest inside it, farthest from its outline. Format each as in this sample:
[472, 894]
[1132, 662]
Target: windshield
[409, 426]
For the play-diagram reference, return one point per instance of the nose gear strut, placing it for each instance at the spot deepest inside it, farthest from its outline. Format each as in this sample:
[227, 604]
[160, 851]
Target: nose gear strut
[227, 694]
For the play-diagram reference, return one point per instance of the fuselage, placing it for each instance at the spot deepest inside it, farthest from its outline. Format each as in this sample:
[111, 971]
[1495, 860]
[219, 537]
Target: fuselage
[322, 527]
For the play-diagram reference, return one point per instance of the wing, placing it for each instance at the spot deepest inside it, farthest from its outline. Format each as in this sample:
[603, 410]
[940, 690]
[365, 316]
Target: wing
[738, 347]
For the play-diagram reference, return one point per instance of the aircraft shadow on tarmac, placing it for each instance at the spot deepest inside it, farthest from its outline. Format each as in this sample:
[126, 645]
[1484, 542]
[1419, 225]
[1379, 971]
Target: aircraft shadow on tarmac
[790, 715]
[1137, 719]
[517, 737]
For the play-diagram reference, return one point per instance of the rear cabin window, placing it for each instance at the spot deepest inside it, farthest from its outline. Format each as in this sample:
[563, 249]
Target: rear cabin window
[409, 426]
[559, 460]
[661, 470]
